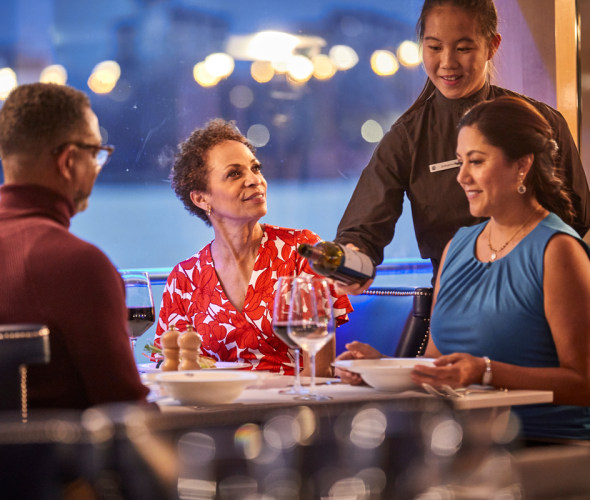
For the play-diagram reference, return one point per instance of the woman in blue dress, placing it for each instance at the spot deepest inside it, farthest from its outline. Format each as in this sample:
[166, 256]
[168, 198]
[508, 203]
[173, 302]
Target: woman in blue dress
[511, 302]
[512, 298]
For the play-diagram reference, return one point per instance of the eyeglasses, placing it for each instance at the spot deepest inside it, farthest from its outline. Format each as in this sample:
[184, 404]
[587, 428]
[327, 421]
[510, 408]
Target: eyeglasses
[101, 153]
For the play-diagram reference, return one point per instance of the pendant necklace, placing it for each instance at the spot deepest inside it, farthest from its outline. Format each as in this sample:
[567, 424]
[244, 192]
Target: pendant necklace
[494, 254]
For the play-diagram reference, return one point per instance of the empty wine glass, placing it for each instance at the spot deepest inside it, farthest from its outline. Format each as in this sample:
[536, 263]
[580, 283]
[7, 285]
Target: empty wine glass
[311, 322]
[280, 323]
[140, 304]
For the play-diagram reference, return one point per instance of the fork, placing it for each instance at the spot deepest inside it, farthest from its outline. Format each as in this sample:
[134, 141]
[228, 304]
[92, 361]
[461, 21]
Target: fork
[435, 392]
[446, 391]
[461, 392]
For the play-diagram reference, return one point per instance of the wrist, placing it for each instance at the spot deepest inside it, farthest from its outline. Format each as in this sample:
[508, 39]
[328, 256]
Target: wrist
[486, 378]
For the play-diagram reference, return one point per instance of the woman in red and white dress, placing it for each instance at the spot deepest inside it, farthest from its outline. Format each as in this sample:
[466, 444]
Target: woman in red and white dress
[226, 291]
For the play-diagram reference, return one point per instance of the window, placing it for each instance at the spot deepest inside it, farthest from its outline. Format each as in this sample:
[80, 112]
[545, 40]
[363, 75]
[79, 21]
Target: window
[155, 70]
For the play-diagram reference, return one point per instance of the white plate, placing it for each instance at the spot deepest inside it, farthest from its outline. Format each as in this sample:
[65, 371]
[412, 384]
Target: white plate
[205, 387]
[219, 365]
[385, 374]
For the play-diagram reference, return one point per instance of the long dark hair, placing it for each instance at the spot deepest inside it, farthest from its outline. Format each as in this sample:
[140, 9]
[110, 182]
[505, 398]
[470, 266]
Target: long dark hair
[518, 129]
[485, 15]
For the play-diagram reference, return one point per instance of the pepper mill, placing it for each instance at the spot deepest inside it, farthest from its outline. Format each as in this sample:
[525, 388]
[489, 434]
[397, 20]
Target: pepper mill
[170, 350]
[189, 343]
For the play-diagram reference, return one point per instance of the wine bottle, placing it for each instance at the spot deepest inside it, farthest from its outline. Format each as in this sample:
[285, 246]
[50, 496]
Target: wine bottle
[338, 262]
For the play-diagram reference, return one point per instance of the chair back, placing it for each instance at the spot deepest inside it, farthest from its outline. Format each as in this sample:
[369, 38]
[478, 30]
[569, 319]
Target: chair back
[394, 320]
[416, 331]
[20, 345]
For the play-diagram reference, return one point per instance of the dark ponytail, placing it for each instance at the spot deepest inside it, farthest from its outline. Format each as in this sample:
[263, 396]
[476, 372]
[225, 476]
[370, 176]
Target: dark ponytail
[518, 129]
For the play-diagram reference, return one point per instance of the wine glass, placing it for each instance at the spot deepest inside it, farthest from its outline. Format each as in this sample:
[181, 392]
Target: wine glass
[280, 323]
[311, 322]
[140, 304]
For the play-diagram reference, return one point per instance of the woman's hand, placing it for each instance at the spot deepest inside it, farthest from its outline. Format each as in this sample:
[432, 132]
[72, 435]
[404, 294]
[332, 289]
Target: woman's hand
[457, 370]
[355, 350]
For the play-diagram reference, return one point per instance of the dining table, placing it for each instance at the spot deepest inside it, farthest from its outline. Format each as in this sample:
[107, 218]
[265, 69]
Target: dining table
[266, 395]
[400, 443]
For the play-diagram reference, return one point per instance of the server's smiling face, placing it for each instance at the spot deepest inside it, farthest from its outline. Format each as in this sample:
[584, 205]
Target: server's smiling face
[455, 53]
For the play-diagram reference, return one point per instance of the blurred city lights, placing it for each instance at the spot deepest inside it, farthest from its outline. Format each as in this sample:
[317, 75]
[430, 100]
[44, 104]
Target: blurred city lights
[248, 438]
[280, 66]
[348, 487]
[55, 73]
[351, 26]
[267, 46]
[262, 71]
[447, 438]
[368, 428]
[219, 65]
[384, 63]
[323, 67]
[7, 82]
[281, 432]
[196, 448]
[258, 135]
[104, 77]
[408, 54]
[271, 53]
[241, 96]
[343, 57]
[271, 45]
[308, 426]
[300, 68]
[371, 131]
[374, 479]
[202, 76]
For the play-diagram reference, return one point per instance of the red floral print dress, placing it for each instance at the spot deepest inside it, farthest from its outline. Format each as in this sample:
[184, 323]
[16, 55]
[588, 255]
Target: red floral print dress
[193, 293]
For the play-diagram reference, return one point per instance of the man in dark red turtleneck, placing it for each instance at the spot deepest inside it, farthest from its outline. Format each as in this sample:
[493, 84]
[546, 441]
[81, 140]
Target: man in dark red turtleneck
[51, 152]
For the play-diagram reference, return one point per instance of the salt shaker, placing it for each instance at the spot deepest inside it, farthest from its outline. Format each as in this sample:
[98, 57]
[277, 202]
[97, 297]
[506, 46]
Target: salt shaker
[189, 343]
[170, 350]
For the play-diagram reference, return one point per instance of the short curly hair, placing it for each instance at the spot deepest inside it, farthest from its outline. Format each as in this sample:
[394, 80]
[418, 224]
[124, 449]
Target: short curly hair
[37, 116]
[190, 172]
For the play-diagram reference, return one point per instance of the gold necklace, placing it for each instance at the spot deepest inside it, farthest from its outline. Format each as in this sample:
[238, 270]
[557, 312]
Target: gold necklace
[494, 254]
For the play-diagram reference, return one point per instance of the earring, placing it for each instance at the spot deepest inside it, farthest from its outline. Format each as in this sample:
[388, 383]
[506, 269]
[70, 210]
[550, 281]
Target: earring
[521, 187]
[208, 210]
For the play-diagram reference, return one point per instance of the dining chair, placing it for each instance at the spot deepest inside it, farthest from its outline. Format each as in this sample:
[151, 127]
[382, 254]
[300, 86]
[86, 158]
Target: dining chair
[394, 320]
[416, 331]
[20, 345]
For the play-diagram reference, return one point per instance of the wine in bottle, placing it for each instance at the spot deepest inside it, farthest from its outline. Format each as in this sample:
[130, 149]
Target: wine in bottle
[338, 262]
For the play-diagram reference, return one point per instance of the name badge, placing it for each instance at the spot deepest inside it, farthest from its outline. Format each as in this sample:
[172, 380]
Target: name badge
[445, 165]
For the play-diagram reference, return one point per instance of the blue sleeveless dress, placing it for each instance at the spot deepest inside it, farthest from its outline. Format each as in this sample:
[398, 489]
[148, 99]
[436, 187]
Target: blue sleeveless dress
[496, 309]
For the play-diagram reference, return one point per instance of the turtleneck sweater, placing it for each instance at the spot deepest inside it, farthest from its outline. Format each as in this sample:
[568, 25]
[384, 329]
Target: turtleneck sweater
[52, 277]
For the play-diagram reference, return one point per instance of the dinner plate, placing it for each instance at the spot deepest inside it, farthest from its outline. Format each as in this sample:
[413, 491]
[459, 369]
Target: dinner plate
[385, 374]
[219, 365]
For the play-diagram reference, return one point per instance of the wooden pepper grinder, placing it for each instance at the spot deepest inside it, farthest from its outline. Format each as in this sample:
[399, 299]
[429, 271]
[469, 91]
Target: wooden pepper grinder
[190, 344]
[170, 350]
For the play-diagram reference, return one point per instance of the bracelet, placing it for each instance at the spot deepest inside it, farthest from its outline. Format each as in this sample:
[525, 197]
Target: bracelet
[487, 374]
